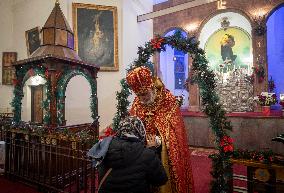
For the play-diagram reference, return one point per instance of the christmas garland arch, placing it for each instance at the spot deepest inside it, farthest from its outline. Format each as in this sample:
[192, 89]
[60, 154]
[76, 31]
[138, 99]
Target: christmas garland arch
[205, 78]
[23, 74]
[61, 88]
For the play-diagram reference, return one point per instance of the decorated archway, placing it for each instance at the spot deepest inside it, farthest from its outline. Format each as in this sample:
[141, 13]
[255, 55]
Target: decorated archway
[61, 89]
[23, 74]
[174, 69]
[204, 77]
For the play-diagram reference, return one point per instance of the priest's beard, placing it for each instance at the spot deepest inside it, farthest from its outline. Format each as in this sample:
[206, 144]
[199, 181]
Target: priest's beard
[149, 98]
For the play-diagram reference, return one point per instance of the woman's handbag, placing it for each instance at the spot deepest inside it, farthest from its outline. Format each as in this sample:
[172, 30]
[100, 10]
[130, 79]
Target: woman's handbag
[103, 179]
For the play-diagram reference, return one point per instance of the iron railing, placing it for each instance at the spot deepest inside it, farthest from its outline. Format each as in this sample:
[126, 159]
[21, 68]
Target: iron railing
[52, 163]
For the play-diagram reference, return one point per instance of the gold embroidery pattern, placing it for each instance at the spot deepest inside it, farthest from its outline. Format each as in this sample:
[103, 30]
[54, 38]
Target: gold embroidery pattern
[164, 118]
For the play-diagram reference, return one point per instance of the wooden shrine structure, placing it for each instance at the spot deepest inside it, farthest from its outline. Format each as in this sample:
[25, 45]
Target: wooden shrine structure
[51, 155]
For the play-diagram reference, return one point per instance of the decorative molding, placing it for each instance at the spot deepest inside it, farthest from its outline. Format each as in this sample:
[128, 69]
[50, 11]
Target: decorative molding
[180, 7]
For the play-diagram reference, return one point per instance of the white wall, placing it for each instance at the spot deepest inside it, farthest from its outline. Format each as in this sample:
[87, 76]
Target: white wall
[27, 14]
[6, 34]
[77, 104]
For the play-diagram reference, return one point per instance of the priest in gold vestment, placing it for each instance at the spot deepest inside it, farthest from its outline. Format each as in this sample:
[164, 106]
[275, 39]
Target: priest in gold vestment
[159, 111]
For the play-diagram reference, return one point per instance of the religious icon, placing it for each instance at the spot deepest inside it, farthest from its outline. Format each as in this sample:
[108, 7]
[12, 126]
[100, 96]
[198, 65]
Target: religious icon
[9, 58]
[32, 40]
[8, 71]
[229, 50]
[96, 38]
[227, 43]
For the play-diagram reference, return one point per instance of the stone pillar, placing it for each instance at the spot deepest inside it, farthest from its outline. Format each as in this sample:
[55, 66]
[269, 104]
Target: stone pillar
[194, 102]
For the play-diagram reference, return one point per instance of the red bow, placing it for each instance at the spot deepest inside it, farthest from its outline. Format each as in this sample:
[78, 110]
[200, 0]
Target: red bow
[157, 42]
[227, 144]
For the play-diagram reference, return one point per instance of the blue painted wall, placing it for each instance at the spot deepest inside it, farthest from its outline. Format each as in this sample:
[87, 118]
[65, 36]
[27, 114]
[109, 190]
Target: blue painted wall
[275, 48]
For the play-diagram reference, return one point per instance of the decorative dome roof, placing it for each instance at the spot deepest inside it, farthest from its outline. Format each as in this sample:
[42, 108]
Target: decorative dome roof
[57, 37]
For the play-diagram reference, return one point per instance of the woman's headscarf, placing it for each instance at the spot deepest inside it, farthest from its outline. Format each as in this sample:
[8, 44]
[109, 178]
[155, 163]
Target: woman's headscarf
[132, 127]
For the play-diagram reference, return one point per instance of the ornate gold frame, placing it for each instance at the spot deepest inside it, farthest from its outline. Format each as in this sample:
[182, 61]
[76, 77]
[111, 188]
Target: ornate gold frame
[75, 6]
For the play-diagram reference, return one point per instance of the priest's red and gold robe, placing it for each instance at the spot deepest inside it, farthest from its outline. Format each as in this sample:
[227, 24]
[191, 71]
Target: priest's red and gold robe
[163, 117]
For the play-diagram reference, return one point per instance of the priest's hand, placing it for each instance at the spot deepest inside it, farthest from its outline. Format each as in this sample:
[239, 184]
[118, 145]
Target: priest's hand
[151, 141]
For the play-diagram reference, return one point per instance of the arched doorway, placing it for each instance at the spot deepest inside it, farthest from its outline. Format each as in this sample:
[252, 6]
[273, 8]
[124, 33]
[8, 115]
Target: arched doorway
[77, 101]
[34, 94]
[275, 48]
[227, 41]
[174, 69]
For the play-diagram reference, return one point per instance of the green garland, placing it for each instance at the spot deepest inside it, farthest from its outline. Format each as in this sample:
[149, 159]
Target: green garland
[83, 136]
[205, 78]
[266, 157]
[70, 72]
[123, 103]
[23, 73]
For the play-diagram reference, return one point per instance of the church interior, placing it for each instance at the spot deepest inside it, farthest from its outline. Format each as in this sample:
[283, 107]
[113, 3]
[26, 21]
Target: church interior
[65, 85]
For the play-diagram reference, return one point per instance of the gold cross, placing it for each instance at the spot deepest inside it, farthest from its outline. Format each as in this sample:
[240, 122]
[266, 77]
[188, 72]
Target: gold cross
[149, 113]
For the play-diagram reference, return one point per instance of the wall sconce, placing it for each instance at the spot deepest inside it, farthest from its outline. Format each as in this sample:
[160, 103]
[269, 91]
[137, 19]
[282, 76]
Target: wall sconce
[225, 23]
[281, 100]
[37, 80]
[191, 28]
[259, 19]
[221, 4]
[281, 97]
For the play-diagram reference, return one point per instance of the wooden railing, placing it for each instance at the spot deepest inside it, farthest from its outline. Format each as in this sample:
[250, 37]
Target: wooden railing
[5, 121]
[55, 163]
[258, 177]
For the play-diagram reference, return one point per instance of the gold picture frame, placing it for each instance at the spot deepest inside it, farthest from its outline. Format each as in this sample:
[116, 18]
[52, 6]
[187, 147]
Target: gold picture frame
[96, 35]
[32, 40]
[8, 70]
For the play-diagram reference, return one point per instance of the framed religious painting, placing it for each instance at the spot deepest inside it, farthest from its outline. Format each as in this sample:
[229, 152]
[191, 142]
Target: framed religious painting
[96, 38]
[32, 40]
[8, 71]
[230, 50]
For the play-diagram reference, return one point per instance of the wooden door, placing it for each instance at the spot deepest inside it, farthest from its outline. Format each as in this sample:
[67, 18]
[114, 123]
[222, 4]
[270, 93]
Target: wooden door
[37, 101]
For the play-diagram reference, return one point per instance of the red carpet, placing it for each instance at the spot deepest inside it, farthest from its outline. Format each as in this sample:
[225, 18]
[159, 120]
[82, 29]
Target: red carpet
[7, 186]
[201, 167]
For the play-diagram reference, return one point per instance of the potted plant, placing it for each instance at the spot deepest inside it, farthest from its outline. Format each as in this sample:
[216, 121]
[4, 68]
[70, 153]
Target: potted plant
[265, 100]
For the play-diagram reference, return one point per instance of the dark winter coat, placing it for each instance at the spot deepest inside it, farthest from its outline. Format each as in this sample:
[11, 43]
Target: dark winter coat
[134, 168]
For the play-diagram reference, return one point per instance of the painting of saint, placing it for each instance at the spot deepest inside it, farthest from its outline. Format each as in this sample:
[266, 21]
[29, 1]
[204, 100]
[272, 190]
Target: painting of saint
[95, 30]
[229, 50]
[227, 43]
